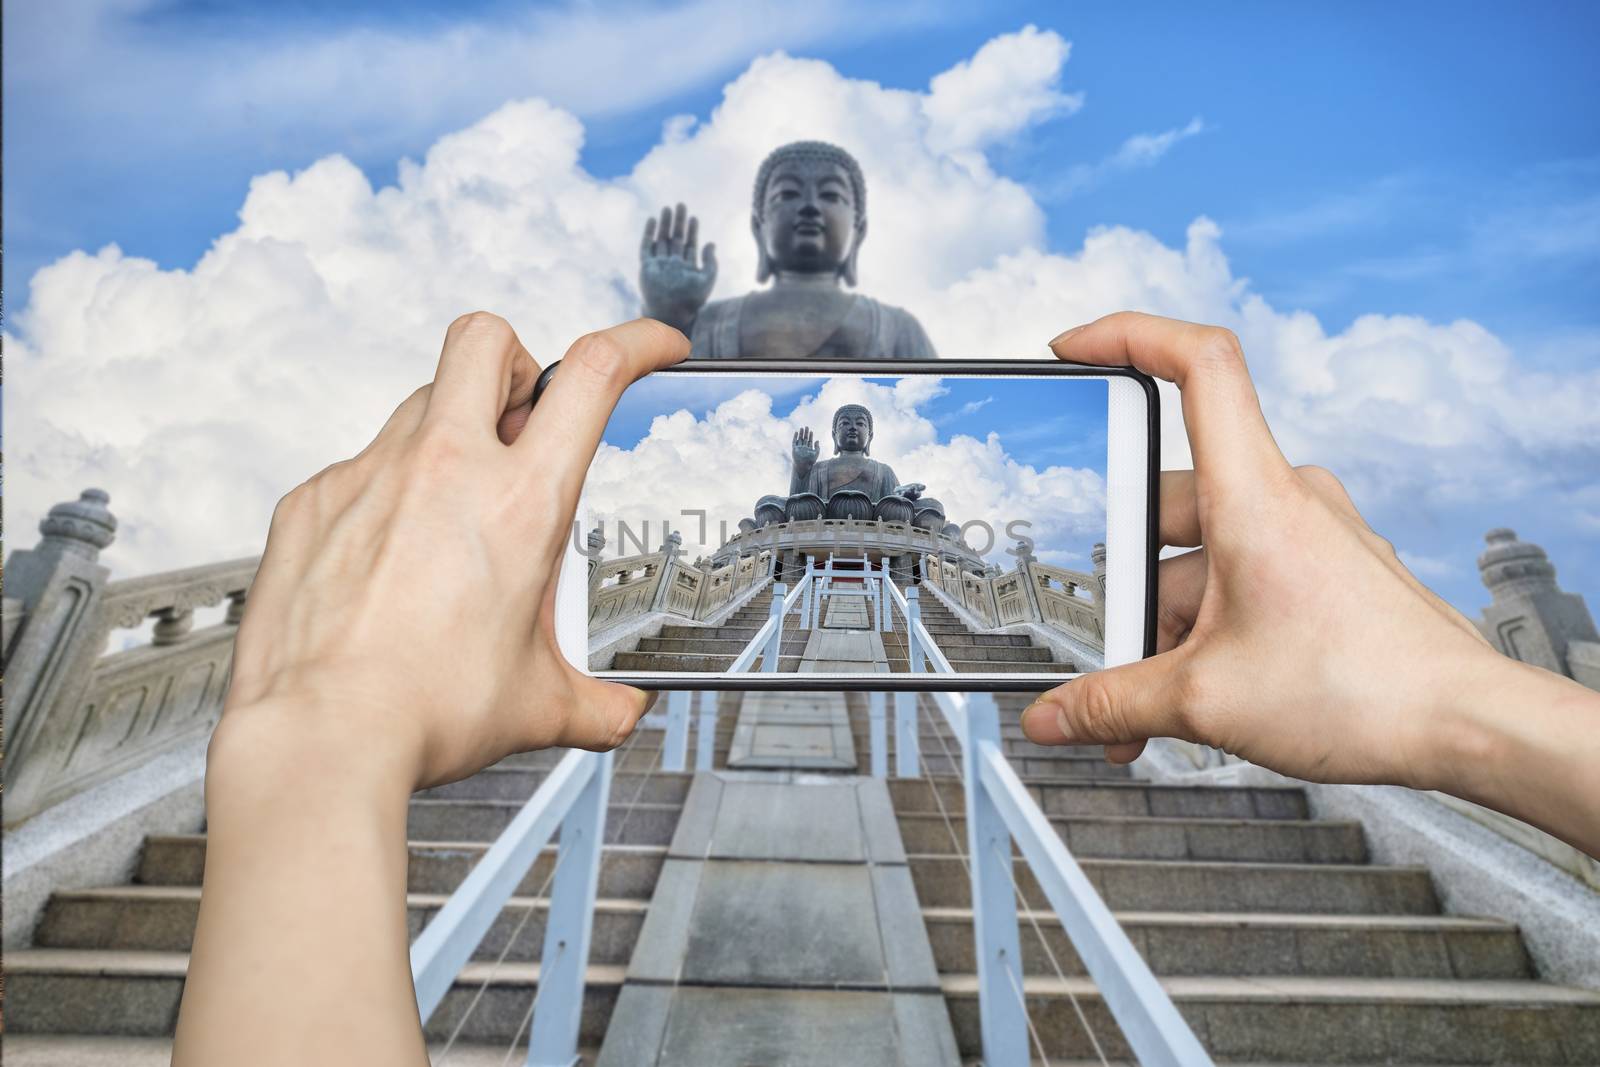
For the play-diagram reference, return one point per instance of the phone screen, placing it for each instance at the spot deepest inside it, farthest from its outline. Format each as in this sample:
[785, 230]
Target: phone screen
[850, 525]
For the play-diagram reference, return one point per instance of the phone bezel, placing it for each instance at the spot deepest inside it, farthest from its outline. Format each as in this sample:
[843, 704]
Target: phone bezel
[879, 368]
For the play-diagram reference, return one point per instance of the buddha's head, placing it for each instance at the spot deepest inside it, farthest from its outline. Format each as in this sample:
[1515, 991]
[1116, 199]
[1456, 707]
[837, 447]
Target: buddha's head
[852, 429]
[809, 212]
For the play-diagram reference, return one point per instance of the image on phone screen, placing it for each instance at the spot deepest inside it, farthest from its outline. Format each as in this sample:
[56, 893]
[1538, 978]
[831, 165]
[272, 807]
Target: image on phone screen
[842, 526]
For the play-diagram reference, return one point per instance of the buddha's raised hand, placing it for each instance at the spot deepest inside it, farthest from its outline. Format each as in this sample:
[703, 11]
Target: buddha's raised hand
[1296, 638]
[675, 274]
[804, 449]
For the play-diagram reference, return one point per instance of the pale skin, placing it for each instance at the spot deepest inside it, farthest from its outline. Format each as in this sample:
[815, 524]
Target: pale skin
[400, 634]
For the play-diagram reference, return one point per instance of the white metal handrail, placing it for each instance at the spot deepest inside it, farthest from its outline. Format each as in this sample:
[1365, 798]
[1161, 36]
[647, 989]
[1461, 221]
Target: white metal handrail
[999, 811]
[769, 638]
[573, 798]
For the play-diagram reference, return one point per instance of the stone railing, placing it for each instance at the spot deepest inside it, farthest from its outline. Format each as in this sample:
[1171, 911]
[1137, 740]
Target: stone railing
[1065, 600]
[846, 537]
[76, 716]
[634, 586]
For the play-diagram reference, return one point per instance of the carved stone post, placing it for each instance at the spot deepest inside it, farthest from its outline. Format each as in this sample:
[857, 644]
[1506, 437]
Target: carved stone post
[1098, 555]
[1532, 618]
[596, 543]
[1029, 583]
[60, 584]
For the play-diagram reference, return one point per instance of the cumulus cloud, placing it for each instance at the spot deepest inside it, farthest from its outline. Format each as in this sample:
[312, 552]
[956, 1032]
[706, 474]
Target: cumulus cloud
[197, 397]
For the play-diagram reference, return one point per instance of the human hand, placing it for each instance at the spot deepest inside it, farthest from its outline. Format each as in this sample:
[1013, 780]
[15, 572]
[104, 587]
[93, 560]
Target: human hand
[406, 597]
[675, 276]
[804, 449]
[1295, 638]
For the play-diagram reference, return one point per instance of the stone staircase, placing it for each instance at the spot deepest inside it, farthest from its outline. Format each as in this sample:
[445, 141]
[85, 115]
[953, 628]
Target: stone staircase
[1275, 935]
[714, 648]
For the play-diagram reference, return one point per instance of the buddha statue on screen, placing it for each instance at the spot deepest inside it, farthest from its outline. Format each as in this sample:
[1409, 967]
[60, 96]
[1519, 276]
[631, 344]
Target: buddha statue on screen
[851, 471]
[809, 217]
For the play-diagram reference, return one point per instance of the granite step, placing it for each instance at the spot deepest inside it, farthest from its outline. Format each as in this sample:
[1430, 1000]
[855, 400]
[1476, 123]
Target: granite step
[626, 871]
[74, 1050]
[1207, 886]
[793, 644]
[1144, 837]
[1057, 763]
[1264, 943]
[162, 919]
[1322, 1020]
[100, 992]
[504, 782]
[1057, 795]
[485, 820]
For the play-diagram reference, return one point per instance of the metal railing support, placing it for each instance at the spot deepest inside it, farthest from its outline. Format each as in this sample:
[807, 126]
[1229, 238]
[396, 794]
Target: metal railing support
[706, 733]
[558, 1004]
[675, 746]
[769, 662]
[1156, 1032]
[885, 615]
[447, 942]
[997, 938]
[878, 732]
[907, 743]
[913, 617]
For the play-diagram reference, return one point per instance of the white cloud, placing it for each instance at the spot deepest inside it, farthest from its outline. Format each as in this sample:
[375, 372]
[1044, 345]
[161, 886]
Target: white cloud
[1140, 150]
[197, 397]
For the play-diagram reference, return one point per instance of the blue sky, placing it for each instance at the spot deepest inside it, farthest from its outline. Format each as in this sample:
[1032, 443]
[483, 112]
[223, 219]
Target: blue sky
[1041, 422]
[1438, 160]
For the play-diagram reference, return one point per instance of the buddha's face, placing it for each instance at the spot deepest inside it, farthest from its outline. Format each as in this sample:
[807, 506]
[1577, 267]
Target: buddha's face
[852, 431]
[808, 216]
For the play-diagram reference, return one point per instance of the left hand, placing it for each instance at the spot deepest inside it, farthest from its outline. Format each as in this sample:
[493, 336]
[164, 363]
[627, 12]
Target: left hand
[406, 597]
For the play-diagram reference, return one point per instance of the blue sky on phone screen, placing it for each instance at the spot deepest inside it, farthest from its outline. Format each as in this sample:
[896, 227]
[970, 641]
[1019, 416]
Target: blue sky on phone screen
[235, 232]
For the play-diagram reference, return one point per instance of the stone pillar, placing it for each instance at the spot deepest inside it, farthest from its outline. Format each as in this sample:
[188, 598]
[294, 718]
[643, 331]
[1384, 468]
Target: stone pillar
[1029, 582]
[1532, 619]
[60, 584]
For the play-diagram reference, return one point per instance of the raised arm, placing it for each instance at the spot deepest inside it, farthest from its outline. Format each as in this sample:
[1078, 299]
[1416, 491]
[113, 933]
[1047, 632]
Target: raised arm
[444, 535]
[1296, 639]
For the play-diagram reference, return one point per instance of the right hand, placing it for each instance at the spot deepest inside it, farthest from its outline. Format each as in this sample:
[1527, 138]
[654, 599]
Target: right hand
[804, 450]
[1294, 638]
[675, 275]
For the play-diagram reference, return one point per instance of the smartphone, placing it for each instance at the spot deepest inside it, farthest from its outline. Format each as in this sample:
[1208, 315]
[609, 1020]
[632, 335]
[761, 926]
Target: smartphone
[944, 525]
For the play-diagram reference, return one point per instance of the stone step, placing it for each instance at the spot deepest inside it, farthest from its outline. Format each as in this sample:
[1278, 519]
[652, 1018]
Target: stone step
[502, 782]
[659, 661]
[1147, 838]
[985, 651]
[162, 919]
[93, 991]
[484, 820]
[1190, 886]
[626, 871]
[1322, 1020]
[1058, 795]
[73, 1050]
[742, 634]
[897, 664]
[1059, 763]
[793, 645]
[1235, 943]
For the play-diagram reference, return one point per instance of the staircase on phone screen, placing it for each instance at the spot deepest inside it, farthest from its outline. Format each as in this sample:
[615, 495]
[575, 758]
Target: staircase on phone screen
[1277, 938]
[714, 648]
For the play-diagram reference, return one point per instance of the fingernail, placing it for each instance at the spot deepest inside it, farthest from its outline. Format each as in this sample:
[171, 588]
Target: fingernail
[1058, 338]
[1047, 708]
[651, 696]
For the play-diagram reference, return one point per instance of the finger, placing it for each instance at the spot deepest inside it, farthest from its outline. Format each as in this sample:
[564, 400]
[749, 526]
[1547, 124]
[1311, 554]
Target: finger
[1182, 581]
[1117, 706]
[1228, 435]
[482, 367]
[519, 399]
[561, 435]
[647, 247]
[708, 261]
[1180, 510]
[675, 246]
[691, 241]
[664, 232]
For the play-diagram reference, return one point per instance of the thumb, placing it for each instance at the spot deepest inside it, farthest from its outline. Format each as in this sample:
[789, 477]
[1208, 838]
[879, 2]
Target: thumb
[1119, 707]
[603, 714]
